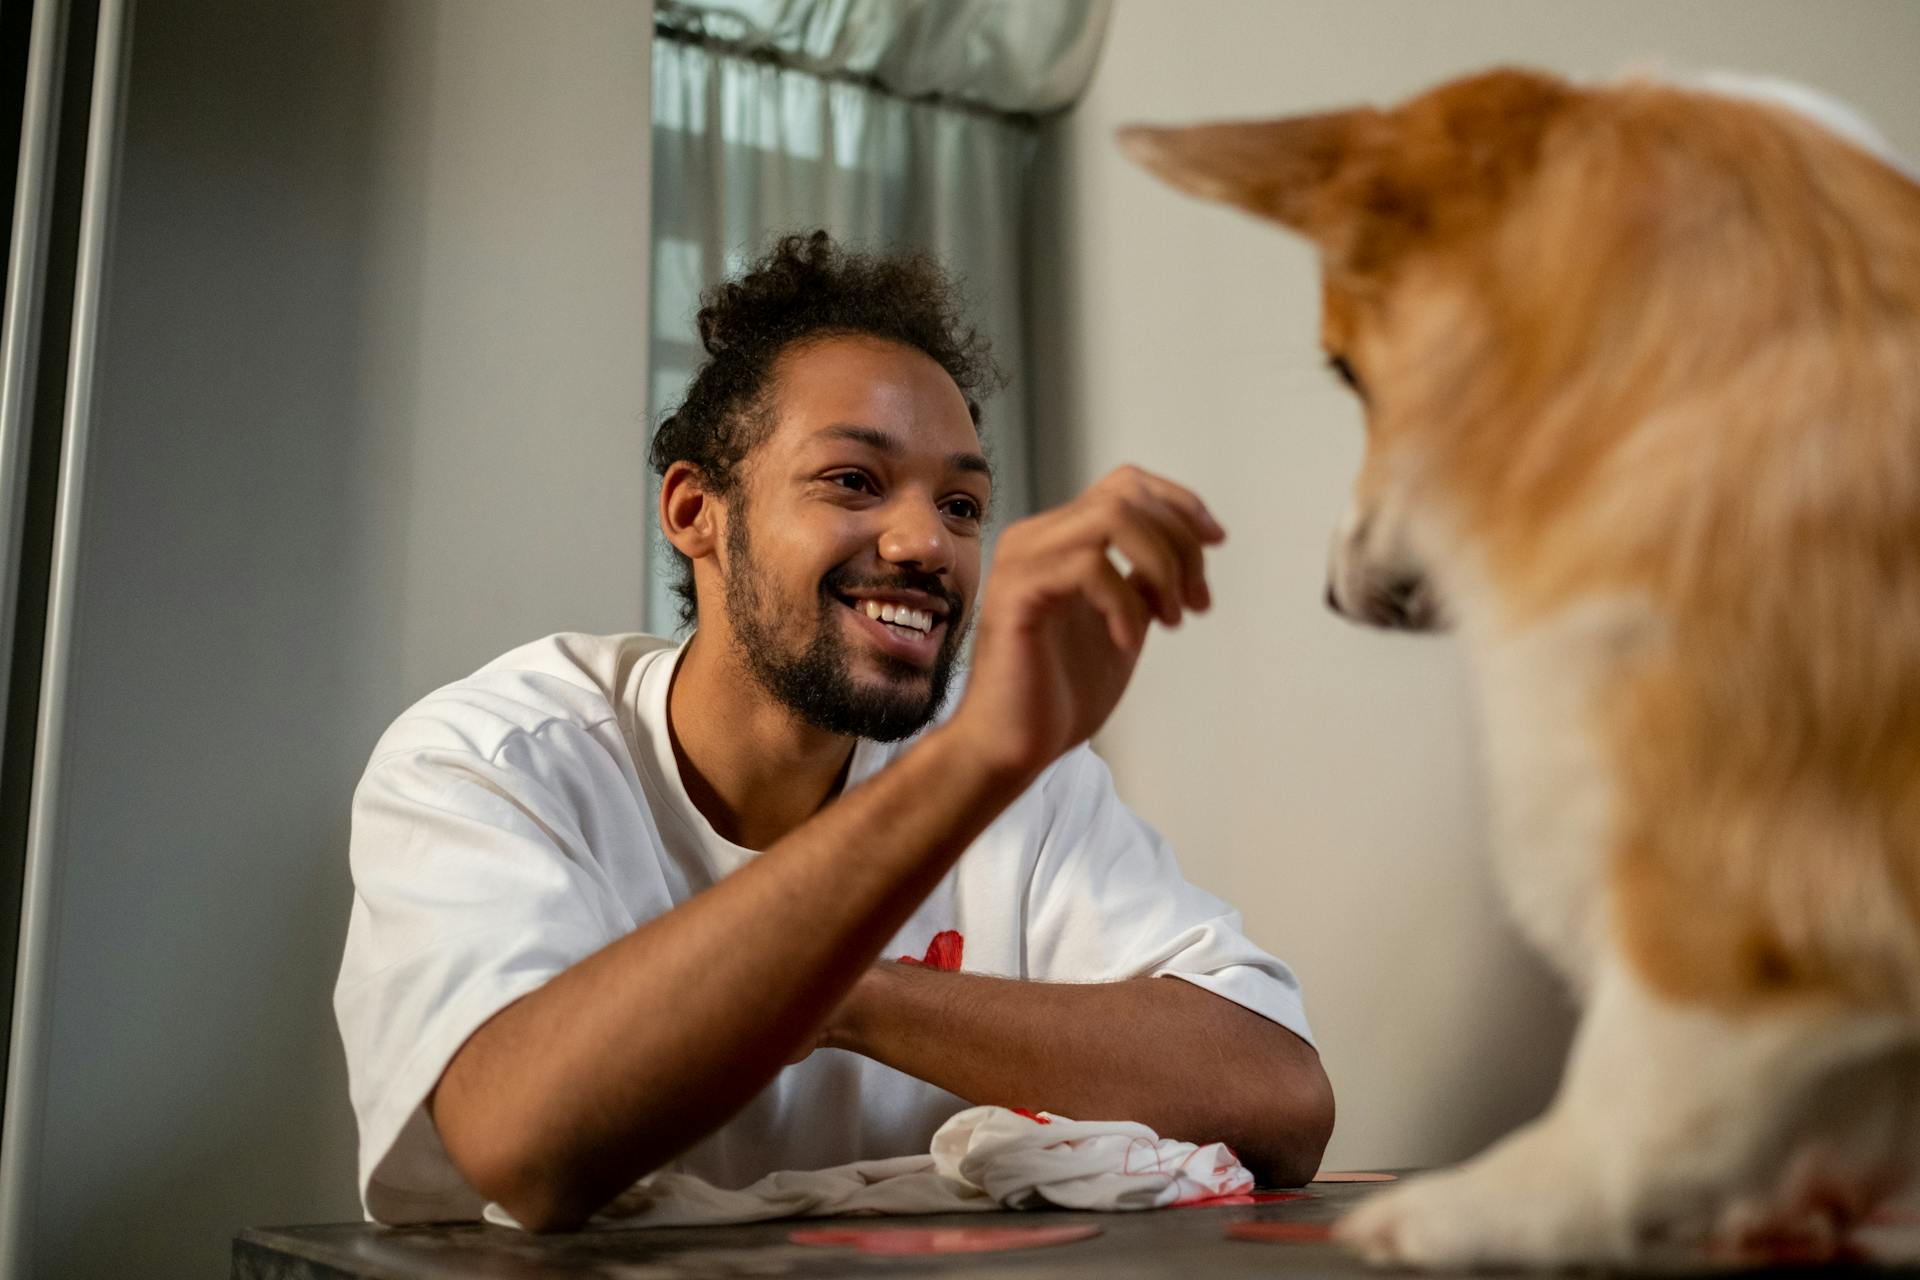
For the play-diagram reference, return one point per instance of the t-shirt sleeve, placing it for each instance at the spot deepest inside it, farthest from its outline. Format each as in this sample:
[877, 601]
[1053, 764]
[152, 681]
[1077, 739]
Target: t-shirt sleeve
[473, 885]
[1108, 902]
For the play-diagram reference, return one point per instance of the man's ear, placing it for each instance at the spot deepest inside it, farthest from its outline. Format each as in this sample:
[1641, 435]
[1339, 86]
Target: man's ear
[690, 515]
[1275, 169]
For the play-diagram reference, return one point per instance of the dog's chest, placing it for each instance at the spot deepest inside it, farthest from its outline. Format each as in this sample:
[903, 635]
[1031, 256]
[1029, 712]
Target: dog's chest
[1553, 789]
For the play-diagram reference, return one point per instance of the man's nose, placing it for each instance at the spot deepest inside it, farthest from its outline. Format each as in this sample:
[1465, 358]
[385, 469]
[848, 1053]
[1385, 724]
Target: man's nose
[916, 534]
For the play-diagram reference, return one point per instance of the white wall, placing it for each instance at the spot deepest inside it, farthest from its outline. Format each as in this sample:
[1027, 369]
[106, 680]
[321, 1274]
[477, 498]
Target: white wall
[371, 412]
[1322, 777]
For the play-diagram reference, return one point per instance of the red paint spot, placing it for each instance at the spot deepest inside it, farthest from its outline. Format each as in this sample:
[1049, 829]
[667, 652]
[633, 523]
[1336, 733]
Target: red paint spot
[1022, 1111]
[899, 1240]
[1242, 1197]
[1282, 1232]
[942, 953]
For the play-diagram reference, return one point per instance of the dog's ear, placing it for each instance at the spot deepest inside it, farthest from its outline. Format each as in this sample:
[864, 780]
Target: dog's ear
[1365, 185]
[1275, 169]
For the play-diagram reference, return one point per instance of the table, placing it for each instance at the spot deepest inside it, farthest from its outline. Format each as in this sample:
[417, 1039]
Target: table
[1187, 1244]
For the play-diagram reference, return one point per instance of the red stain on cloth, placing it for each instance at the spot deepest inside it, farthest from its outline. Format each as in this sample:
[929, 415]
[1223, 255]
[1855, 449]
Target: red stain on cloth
[942, 953]
[1022, 1111]
[1243, 1197]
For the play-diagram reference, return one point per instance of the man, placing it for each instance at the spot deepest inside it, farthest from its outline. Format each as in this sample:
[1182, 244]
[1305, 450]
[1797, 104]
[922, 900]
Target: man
[621, 905]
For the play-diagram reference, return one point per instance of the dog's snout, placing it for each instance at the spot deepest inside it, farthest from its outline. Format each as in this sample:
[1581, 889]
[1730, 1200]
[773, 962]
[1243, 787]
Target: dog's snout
[1375, 578]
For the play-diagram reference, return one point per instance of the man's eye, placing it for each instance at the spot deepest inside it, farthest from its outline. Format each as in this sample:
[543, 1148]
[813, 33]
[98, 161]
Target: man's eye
[963, 509]
[855, 481]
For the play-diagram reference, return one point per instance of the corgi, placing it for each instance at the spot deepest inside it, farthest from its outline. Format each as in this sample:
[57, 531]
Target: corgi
[1640, 364]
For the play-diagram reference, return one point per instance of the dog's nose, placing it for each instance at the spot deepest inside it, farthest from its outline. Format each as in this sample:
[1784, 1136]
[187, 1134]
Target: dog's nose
[1403, 603]
[1402, 595]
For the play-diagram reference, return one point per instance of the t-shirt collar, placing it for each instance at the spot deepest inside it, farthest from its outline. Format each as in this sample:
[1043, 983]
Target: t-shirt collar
[654, 756]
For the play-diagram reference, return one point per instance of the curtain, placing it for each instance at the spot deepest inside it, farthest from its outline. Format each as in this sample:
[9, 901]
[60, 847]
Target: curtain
[894, 124]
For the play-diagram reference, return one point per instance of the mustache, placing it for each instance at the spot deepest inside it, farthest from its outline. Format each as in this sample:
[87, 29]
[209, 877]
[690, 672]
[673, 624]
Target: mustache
[844, 579]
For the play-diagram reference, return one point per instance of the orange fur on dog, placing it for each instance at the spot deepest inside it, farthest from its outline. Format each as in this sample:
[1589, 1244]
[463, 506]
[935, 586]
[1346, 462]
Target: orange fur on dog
[1642, 374]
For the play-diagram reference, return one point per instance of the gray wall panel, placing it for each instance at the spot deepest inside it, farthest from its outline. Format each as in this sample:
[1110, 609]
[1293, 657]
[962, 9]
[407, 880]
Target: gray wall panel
[370, 411]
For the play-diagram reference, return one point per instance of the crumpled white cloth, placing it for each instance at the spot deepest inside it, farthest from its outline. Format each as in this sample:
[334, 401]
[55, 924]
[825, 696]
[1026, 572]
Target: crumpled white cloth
[983, 1158]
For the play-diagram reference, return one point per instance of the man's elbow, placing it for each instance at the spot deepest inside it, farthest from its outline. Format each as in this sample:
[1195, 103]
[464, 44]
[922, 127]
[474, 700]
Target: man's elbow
[537, 1186]
[543, 1209]
[1298, 1125]
[535, 1197]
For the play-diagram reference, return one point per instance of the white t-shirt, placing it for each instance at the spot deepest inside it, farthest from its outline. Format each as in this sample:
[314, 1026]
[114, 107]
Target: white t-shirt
[517, 821]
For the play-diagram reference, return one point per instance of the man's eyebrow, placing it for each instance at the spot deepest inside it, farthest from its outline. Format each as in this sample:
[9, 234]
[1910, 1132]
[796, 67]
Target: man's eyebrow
[881, 442]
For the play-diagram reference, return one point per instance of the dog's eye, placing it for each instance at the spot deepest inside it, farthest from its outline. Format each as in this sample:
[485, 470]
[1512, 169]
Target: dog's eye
[1345, 372]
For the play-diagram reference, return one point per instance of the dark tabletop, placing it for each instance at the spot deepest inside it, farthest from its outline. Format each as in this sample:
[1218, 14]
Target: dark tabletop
[1191, 1244]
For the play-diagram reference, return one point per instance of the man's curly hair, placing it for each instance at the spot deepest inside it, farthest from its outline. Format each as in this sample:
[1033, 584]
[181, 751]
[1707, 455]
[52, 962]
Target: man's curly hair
[806, 288]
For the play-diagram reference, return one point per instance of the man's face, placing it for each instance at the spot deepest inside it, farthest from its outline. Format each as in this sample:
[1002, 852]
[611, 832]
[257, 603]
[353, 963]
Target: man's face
[866, 498]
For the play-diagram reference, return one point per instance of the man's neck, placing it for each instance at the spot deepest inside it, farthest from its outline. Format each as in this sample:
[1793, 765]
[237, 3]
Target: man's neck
[752, 768]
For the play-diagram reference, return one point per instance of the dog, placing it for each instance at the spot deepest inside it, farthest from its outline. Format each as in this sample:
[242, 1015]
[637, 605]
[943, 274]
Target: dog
[1640, 362]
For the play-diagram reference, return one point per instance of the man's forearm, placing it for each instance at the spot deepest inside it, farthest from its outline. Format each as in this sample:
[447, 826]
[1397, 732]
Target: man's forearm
[1160, 1051]
[617, 1064]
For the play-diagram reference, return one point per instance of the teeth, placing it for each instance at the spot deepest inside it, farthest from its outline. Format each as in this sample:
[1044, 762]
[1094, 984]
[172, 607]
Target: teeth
[899, 615]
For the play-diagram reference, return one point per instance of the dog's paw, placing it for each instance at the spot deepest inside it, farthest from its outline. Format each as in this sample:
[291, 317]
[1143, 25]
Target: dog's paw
[1436, 1222]
[1481, 1216]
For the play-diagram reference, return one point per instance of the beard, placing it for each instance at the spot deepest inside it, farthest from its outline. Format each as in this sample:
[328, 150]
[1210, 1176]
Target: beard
[816, 682]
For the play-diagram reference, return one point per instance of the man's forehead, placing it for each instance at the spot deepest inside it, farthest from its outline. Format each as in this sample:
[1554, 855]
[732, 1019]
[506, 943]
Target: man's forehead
[897, 445]
[873, 393]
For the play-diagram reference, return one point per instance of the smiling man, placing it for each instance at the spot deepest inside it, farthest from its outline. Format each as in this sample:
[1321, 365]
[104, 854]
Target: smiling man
[778, 897]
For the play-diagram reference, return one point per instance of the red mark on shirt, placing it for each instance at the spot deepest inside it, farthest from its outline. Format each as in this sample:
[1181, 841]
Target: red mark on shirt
[942, 953]
[1022, 1111]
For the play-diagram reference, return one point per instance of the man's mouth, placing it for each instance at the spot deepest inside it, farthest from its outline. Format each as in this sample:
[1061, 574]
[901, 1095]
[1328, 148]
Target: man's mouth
[899, 617]
[907, 629]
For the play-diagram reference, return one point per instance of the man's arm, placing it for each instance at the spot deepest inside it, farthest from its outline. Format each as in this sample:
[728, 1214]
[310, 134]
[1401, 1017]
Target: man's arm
[617, 1064]
[1166, 1053]
[559, 1101]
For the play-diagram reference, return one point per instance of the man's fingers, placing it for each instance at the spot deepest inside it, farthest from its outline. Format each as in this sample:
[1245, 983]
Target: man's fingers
[1189, 524]
[1157, 540]
[1189, 547]
[1121, 603]
[1189, 506]
[1191, 516]
[1159, 528]
[1154, 539]
[1155, 562]
[1088, 576]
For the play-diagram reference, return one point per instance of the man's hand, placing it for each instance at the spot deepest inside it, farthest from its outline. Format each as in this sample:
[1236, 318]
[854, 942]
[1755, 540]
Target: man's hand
[1061, 626]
